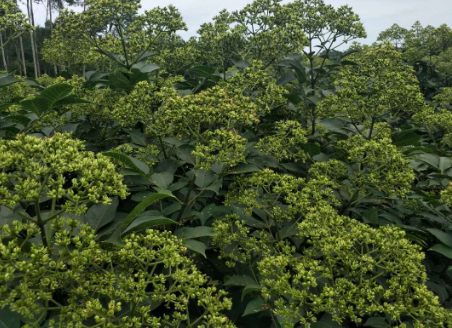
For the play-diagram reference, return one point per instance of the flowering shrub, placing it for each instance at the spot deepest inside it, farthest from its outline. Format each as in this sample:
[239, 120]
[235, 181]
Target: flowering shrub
[57, 168]
[350, 271]
[256, 176]
[104, 287]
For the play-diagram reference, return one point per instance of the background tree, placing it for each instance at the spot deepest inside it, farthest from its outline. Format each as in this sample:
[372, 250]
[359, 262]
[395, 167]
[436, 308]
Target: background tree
[395, 35]
[13, 24]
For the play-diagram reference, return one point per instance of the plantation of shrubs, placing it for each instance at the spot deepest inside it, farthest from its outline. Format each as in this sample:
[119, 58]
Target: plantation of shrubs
[257, 175]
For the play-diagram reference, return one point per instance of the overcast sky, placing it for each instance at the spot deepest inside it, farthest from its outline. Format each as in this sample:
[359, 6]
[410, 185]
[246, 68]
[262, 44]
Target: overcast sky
[376, 15]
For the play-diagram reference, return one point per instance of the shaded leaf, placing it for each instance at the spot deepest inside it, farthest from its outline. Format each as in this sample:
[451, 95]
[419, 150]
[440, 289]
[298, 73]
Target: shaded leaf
[129, 161]
[56, 92]
[163, 180]
[250, 288]
[286, 77]
[442, 249]
[9, 319]
[141, 207]
[146, 222]
[240, 280]
[37, 105]
[445, 238]
[196, 246]
[6, 80]
[99, 215]
[204, 178]
[196, 232]
[376, 322]
[254, 306]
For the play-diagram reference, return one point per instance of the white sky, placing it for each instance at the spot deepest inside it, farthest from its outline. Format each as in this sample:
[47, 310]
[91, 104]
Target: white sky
[376, 15]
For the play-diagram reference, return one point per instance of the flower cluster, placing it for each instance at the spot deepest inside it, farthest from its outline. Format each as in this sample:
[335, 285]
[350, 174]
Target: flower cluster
[444, 98]
[278, 197]
[286, 143]
[378, 163]
[148, 283]
[58, 168]
[236, 242]
[380, 83]
[258, 84]
[226, 147]
[446, 196]
[436, 120]
[209, 110]
[351, 271]
[141, 102]
[268, 191]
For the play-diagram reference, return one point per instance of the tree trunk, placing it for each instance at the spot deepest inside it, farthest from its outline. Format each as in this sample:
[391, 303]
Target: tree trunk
[49, 5]
[36, 50]
[32, 39]
[5, 65]
[19, 62]
[24, 65]
[35, 66]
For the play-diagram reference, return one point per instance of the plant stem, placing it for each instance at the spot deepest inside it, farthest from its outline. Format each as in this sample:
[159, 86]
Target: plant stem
[187, 198]
[41, 225]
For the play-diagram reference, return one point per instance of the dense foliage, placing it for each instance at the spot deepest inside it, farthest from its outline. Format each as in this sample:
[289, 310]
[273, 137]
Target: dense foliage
[253, 176]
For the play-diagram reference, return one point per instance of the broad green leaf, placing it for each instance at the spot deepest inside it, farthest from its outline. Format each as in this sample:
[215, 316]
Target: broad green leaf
[371, 216]
[255, 306]
[438, 290]
[444, 237]
[146, 55]
[137, 137]
[99, 215]
[56, 92]
[430, 159]
[241, 63]
[70, 100]
[286, 77]
[171, 209]
[96, 76]
[129, 161]
[9, 319]
[140, 196]
[444, 164]
[348, 63]
[197, 232]
[119, 81]
[250, 288]
[206, 213]
[196, 246]
[6, 80]
[146, 222]
[449, 272]
[37, 105]
[442, 249]
[376, 322]
[406, 138]
[204, 71]
[141, 207]
[244, 168]
[33, 83]
[115, 237]
[204, 178]
[163, 180]
[240, 280]
[22, 119]
[145, 68]
[111, 55]
[311, 148]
